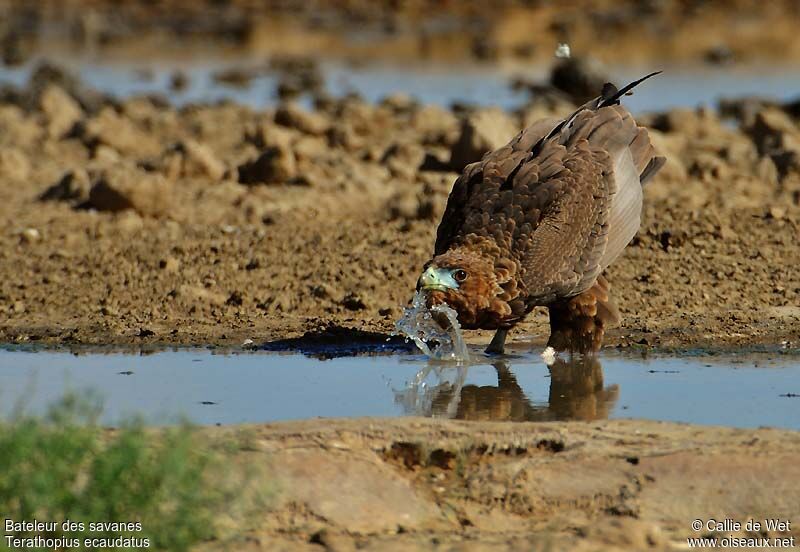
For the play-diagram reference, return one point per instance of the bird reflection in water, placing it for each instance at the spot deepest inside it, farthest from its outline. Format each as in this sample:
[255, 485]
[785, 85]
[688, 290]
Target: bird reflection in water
[576, 393]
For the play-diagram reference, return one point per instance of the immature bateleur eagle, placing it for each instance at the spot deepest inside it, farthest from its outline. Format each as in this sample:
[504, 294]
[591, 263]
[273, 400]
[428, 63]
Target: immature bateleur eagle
[536, 222]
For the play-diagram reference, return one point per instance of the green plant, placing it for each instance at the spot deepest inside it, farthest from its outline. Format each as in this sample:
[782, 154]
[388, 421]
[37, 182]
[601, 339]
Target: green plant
[66, 467]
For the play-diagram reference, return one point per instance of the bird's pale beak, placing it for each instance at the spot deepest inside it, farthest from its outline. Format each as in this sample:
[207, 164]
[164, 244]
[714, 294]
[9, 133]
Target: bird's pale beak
[437, 279]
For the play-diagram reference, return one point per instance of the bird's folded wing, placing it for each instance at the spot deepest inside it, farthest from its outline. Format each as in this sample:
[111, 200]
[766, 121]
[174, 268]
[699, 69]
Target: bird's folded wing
[563, 255]
[479, 184]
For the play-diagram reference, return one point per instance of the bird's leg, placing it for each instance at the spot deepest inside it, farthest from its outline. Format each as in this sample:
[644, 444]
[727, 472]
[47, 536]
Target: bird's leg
[577, 324]
[498, 344]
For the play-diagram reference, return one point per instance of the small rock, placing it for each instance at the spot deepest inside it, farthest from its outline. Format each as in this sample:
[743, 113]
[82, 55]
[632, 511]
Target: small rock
[403, 159]
[691, 122]
[399, 102]
[73, 186]
[333, 542]
[179, 81]
[170, 264]
[773, 131]
[267, 134]
[288, 88]
[129, 222]
[767, 171]
[120, 133]
[124, 188]
[105, 156]
[786, 162]
[235, 299]
[237, 77]
[324, 291]
[30, 235]
[48, 74]
[60, 110]
[290, 115]
[435, 125]
[777, 213]
[707, 166]
[199, 159]
[275, 164]
[345, 136]
[403, 205]
[297, 75]
[14, 164]
[353, 302]
[311, 148]
[482, 131]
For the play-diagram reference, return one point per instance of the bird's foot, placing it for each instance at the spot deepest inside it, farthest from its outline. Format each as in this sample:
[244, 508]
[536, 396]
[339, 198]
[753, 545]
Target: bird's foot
[549, 355]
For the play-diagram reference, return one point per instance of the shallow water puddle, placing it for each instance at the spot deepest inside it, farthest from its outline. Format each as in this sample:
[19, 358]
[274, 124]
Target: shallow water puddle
[211, 388]
[478, 84]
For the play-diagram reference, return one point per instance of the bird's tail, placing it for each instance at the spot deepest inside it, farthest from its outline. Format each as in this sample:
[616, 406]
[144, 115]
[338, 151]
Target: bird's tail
[578, 323]
[610, 95]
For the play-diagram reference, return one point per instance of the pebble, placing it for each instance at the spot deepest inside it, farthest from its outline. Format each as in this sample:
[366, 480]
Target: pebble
[30, 235]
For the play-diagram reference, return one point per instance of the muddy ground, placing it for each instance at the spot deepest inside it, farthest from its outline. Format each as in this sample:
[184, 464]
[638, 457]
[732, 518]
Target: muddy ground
[415, 484]
[132, 222]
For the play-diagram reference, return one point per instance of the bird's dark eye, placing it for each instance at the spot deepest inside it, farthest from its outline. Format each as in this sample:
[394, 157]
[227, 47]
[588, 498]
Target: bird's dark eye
[460, 275]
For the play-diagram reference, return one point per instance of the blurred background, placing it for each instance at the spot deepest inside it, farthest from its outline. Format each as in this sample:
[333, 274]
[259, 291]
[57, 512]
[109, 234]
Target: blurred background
[443, 52]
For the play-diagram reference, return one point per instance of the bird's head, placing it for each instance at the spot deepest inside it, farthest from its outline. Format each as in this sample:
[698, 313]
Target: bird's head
[468, 282]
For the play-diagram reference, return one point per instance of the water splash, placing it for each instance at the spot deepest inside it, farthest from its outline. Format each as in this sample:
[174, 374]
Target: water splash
[424, 327]
[434, 392]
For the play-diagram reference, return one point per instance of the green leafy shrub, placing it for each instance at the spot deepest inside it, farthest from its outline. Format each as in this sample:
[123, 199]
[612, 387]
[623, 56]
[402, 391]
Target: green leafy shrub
[64, 466]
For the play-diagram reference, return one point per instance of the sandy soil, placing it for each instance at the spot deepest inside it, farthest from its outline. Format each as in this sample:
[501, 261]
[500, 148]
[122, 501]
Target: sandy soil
[133, 222]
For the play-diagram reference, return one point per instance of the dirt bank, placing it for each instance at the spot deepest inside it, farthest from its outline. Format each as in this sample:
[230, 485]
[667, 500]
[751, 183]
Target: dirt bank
[415, 484]
[135, 222]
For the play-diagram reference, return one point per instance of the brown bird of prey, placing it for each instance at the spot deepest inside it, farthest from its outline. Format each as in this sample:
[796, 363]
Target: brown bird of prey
[537, 221]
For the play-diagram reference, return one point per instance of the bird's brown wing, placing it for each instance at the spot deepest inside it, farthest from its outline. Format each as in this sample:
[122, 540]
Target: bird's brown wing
[598, 205]
[472, 207]
[571, 191]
